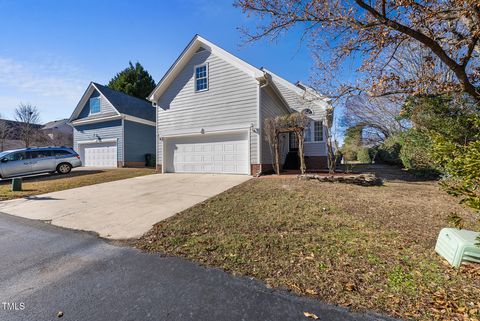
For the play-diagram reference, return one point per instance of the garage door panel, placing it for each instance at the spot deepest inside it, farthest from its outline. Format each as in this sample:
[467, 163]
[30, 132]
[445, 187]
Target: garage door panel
[219, 153]
[99, 154]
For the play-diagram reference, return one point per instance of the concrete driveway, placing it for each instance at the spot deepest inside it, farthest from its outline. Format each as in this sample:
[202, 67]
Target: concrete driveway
[122, 209]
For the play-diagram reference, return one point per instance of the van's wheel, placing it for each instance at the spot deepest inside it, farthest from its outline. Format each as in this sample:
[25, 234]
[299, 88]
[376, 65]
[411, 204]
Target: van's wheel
[64, 168]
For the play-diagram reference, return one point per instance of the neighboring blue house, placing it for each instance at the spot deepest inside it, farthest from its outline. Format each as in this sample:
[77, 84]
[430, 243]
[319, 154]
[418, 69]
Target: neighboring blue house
[112, 129]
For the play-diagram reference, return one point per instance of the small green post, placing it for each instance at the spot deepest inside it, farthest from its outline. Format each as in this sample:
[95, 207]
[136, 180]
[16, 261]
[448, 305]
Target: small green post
[16, 184]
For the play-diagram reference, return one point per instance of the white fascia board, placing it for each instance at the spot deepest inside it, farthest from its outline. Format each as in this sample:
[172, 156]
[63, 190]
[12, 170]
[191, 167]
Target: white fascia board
[277, 92]
[82, 102]
[96, 120]
[139, 120]
[88, 92]
[186, 55]
[295, 88]
[234, 60]
[106, 98]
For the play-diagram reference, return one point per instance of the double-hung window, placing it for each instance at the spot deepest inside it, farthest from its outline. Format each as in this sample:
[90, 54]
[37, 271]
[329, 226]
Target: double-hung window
[318, 131]
[201, 77]
[308, 133]
[94, 105]
[314, 132]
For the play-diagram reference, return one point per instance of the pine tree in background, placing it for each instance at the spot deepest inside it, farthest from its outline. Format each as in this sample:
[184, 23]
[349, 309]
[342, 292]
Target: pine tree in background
[133, 80]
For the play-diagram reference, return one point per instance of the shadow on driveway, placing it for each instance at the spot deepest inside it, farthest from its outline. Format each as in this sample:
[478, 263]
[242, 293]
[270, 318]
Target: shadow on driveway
[48, 177]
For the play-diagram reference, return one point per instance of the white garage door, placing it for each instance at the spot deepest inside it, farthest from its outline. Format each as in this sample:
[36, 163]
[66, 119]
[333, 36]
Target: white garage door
[209, 153]
[99, 154]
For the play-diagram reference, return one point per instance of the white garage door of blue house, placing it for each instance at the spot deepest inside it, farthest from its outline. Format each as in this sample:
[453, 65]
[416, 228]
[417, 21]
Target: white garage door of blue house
[209, 153]
[99, 154]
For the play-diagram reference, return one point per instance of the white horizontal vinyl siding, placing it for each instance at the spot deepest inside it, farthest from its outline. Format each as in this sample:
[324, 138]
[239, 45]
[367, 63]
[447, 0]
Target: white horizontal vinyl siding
[315, 149]
[298, 103]
[271, 107]
[229, 102]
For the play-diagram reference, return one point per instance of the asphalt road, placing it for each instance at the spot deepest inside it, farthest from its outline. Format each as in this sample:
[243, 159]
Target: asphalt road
[46, 269]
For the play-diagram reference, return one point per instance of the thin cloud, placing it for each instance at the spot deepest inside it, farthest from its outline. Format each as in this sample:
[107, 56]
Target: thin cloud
[50, 77]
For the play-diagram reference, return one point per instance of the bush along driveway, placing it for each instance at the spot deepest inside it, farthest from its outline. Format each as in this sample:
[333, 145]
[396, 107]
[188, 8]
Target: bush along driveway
[368, 248]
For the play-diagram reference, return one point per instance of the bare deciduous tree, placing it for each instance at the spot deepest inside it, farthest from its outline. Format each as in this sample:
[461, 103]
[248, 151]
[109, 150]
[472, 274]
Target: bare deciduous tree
[377, 31]
[291, 123]
[28, 116]
[378, 116]
[332, 141]
[4, 133]
[272, 137]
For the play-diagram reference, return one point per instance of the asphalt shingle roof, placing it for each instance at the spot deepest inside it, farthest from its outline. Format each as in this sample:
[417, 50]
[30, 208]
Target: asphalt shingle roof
[128, 105]
[55, 123]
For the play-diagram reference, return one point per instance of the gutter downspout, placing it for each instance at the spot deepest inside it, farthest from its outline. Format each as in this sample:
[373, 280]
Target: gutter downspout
[154, 105]
[266, 82]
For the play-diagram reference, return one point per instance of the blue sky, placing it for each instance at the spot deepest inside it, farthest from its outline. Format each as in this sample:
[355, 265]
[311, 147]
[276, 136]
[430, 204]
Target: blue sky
[50, 50]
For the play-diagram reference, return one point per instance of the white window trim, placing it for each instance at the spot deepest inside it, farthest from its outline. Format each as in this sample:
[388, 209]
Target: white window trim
[195, 77]
[99, 105]
[312, 133]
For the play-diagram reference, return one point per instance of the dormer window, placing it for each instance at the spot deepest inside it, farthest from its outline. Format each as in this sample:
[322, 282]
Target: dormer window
[201, 77]
[307, 112]
[94, 105]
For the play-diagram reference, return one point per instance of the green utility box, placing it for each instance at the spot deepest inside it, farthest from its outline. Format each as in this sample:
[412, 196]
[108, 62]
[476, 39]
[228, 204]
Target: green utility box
[16, 184]
[457, 246]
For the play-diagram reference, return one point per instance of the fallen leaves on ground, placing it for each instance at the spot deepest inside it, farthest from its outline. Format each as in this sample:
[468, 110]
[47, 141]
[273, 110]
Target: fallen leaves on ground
[372, 250]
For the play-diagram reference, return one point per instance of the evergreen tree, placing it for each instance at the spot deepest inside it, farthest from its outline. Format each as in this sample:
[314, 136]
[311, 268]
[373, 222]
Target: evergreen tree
[133, 80]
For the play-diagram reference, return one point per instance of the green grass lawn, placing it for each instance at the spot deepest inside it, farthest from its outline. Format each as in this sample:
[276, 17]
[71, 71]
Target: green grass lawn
[368, 248]
[77, 178]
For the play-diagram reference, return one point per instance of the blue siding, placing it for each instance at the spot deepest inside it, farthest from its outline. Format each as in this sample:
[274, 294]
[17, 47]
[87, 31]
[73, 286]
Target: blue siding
[105, 130]
[139, 140]
[105, 107]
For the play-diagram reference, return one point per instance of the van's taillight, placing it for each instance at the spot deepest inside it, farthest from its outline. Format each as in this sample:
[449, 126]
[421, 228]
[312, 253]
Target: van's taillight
[78, 156]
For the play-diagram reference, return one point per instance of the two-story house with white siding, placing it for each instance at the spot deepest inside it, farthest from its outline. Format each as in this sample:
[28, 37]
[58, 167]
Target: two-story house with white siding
[211, 108]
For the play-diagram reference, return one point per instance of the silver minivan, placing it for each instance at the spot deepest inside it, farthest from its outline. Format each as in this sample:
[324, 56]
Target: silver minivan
[29, 161]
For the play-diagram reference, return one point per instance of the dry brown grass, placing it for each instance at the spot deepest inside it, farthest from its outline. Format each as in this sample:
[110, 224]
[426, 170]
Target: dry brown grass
[77, 178]
[362, 247]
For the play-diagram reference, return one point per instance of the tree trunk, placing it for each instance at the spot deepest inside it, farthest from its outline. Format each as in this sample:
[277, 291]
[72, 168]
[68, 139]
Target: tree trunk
[332, 159]
[277, 157]
[331, 153]
[301, 151]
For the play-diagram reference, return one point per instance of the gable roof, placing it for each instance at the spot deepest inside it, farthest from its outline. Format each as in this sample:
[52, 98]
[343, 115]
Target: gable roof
[299, 96]
[55, 123]
[295, 96]
[124, 104]
[195, 44]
